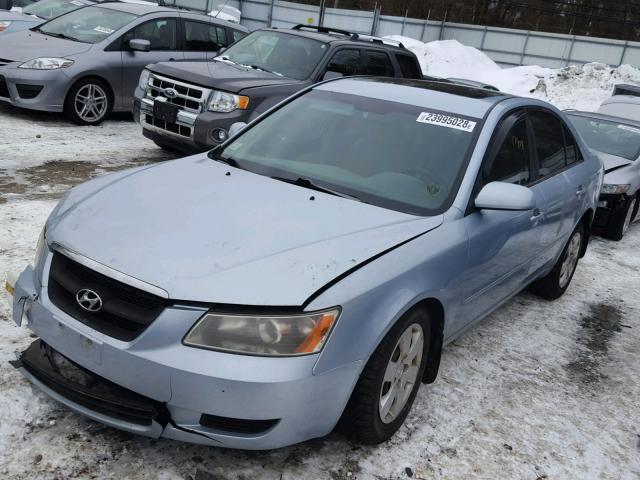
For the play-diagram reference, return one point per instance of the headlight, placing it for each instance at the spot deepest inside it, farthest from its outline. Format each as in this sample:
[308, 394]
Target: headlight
[46, 63]
[263, 335]
[40, 246]
[615, 189]
[4, 24]
[144, 79]
[227, 102]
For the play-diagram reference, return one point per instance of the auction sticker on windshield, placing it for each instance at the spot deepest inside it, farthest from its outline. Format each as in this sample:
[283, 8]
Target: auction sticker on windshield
[448, 121]
[106, 30]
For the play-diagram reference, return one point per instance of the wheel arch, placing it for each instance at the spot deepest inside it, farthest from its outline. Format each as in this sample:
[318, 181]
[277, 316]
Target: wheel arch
[586, 220]
[435, 311]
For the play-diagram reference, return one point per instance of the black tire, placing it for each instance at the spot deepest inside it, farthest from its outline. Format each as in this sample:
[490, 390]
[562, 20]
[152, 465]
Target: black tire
[620, 225]
[551, 286]
[102, 103]
[362, 416]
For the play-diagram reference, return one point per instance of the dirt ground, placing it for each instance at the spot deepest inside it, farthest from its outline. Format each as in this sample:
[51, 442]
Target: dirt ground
[539, 390]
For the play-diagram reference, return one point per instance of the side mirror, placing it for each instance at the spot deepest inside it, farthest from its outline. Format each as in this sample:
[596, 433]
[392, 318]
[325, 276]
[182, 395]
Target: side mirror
[328, 75]
[236, 128]
[139, 45]
[505, 196]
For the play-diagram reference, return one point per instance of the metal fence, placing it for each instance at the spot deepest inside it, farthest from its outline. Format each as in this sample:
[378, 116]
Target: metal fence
[503, 45]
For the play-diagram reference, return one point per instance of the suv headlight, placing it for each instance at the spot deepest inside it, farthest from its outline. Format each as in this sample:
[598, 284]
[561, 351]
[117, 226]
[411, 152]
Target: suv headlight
[4, 24]
[614, 189]
[276, 335]
[227, 102]
[46, 63]
[144, 79]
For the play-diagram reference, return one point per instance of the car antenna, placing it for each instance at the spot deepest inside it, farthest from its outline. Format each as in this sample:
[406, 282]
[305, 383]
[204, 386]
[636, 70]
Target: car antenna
[220, 9]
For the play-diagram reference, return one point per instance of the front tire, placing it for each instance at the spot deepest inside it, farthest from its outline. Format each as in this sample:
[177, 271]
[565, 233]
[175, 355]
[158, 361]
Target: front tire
[389, 382]
[88, 102]
[554, 284]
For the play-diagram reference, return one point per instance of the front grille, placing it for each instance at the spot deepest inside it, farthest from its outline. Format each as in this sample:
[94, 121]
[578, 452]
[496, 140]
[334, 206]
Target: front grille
[126, 311]
[4, 89]
[28, 92]
[190, 97]
[170, 127]
[87, 389]
[236, 425]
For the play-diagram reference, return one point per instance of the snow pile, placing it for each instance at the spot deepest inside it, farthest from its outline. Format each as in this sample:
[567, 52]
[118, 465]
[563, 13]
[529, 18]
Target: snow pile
[578, 86]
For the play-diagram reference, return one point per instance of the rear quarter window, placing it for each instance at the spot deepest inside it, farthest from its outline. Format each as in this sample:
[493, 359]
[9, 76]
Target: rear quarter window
[408, 66]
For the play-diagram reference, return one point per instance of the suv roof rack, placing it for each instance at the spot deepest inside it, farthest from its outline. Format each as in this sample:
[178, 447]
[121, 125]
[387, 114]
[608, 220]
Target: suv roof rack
[353, 36]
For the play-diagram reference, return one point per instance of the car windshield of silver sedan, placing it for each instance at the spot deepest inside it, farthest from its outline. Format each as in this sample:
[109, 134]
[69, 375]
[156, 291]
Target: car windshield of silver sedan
[390, 154]
[279, 53]
[609, 137]
[87, 25]
[47, 9]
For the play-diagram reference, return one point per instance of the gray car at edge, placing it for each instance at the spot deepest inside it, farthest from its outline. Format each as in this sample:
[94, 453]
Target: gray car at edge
[87, 62]
[309, 269]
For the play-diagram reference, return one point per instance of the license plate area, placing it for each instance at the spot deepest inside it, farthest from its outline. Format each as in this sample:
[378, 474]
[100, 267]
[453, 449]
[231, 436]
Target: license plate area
[165, 111]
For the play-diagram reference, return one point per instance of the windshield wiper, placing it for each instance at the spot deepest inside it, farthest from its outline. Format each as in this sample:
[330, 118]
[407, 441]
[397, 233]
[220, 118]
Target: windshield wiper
[227, 160]
[307, 183]
[262, 69]
[59, 35]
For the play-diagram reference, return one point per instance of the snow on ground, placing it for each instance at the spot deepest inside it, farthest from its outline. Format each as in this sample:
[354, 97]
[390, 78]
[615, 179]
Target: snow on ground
[539, 390]
[582, 87]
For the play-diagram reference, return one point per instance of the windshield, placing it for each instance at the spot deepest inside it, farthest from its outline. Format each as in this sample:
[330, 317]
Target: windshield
[52, 8]
[609, 137]
[280, 53]
[389, 154]
[88, 25]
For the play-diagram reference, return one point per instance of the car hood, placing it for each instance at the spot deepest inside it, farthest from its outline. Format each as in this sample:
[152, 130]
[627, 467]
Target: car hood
[206, 232]
[220, 75]
[612, 162]
[26, 45]
[8, 15]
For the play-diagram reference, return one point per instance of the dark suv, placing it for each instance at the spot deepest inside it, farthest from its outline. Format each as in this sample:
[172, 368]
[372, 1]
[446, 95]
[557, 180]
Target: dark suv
[189, 106]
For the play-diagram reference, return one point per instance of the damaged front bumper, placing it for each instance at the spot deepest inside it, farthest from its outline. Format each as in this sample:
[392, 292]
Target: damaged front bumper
[158, 387]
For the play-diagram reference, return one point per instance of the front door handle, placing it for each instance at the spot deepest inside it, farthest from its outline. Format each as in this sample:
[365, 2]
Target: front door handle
[537, 215]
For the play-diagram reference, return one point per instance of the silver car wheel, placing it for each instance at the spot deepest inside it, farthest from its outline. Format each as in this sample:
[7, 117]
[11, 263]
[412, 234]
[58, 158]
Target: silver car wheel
[629, 217]
[570, 259]
[401, 373]
[91, 102]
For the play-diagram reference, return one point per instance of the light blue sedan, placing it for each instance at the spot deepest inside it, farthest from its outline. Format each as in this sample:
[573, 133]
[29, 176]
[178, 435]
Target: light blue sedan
[310, 269]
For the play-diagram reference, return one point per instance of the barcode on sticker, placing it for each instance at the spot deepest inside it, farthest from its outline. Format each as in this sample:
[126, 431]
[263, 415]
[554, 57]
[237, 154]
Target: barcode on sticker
[446, 121]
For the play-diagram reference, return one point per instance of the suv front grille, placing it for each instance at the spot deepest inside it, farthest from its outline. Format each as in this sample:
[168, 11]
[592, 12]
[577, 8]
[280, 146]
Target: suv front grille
[189, 97]
[126, 311]
[171, 127]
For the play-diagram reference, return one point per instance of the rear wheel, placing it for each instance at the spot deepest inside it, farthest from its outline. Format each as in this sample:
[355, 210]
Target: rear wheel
[554, 284]
[389, 383]
[622, 223]
[88, 102]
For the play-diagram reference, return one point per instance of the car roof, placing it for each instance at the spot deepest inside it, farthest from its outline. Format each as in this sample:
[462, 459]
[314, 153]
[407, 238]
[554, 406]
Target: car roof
[442, 96]
[336, 36]
[135, 8]
[604, 116]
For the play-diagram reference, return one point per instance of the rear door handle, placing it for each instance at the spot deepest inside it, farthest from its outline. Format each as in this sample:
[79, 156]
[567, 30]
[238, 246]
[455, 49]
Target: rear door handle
[580, 191]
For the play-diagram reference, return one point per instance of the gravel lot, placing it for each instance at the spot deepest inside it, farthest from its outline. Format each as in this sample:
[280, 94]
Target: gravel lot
[538, 390]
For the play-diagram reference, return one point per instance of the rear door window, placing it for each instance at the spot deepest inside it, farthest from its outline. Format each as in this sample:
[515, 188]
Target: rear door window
[511, 163]
[203, 37]
[549, 141]
[377, 64]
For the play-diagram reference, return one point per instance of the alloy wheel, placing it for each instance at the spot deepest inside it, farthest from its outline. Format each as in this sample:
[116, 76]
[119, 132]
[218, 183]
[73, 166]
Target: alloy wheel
[401, 373]
[91, 103]
[570, 259]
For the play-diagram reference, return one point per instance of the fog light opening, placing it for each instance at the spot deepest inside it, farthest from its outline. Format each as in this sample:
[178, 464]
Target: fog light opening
[219, 135]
